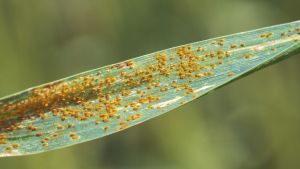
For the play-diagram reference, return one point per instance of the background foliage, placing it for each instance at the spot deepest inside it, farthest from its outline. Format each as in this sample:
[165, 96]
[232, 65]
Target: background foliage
[251, 123]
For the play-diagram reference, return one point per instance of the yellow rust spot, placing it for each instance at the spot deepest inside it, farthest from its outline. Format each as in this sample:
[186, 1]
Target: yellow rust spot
[54, 135]
[233, 46]
[221, 56]
[213, 66]
[43, 116]
[135, 106]
[230, 74]
[74, 136]
[104, 117]
[161, 59]
[123, 125]
[38, 134]
[3, 136]
[63, 118]
[59, 126]
[3, 141]
[164, 89]
[44, 142]
[15, 146]
[110, 80]
[198, 75]
[32, 128]
[126, 92]
[242, 45]
[221, 42]
[70, 125]
[266, 35]
[98, 122]
[130, 64]
[208, 73]
[88, 114]
[200, 49]
[134, 117]
[220, 63]
[247, 56]
[106, 128]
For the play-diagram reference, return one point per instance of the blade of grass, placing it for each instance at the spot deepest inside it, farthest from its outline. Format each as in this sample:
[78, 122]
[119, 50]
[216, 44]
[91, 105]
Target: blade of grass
[103, 101]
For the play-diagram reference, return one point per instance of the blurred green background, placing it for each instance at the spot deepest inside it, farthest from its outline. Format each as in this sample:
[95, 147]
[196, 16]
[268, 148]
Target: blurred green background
[253, 123]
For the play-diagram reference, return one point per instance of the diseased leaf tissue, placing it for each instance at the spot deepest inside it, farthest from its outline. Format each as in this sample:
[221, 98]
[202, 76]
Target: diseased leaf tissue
[109, 99]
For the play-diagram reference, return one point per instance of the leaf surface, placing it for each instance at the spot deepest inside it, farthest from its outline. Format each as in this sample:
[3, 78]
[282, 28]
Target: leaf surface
[103, 101]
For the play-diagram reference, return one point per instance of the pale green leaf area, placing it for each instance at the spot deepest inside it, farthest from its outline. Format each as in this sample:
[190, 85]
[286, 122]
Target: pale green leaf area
[103, 101]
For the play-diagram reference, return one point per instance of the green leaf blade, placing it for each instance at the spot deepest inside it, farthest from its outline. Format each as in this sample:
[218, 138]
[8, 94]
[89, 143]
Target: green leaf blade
[103, 101]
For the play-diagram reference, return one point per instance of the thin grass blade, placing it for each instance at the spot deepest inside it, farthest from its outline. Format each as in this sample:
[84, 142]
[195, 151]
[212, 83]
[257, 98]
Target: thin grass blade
[103, 101]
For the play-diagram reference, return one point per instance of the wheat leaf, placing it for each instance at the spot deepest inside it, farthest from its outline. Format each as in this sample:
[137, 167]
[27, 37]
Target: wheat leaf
[103, 101]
